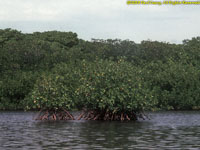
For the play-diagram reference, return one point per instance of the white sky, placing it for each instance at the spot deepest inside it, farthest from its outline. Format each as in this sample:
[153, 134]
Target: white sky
[103, 19]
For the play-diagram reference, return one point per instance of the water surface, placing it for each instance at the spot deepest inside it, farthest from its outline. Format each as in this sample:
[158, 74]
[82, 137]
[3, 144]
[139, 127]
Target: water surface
[165, 130]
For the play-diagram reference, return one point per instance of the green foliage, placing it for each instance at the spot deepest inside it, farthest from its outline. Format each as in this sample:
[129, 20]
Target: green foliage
[67, 39]
[191, 52]
[55, 90]
[9, 35]
[36, 52]
[56, 70]
[176, 85]
[113, 86]
[14, 87]
[49, 93]
[157, 51]
[17, 85]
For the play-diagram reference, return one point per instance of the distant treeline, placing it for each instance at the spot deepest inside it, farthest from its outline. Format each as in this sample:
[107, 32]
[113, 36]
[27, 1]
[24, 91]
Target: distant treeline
[54, 70]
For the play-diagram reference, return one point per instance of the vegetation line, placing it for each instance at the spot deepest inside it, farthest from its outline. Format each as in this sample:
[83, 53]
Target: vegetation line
[108, 79]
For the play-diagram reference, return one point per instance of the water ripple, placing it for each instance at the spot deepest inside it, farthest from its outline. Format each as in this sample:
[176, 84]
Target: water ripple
[165, 130]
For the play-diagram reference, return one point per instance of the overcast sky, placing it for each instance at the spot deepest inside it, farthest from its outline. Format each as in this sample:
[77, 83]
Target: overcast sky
[102, 19]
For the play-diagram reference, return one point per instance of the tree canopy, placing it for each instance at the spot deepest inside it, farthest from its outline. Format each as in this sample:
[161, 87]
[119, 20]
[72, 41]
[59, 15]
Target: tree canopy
[58, 70]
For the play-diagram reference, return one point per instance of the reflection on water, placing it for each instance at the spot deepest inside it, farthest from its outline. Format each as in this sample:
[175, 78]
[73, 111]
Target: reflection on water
[165, 130]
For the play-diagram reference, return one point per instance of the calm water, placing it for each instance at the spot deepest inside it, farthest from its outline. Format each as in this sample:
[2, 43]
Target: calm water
[165, 130]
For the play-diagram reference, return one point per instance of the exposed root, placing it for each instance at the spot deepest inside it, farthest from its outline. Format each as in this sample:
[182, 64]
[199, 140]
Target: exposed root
[38, 115]
[54, 115]
[80, 116]
[72, 118]
[105, 115]
[89, 115]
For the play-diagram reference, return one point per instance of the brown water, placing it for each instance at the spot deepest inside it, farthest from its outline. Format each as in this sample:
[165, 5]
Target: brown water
[165, 130]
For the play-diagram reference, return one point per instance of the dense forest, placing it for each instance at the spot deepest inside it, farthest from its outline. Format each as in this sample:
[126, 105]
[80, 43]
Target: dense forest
[55, 70]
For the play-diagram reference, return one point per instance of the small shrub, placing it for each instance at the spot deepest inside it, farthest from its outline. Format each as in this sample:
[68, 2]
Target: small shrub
[113, 90]
[52, 97]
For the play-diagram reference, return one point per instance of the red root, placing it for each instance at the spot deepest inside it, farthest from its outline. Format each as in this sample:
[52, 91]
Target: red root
[99, 115]
[54, 115]
[87, 115]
